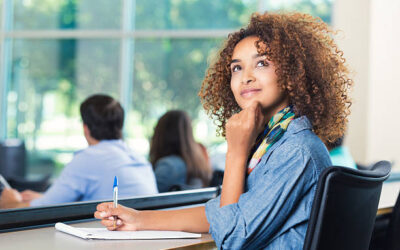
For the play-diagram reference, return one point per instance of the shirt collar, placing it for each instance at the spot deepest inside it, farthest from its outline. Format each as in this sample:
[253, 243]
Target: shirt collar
[299, 124]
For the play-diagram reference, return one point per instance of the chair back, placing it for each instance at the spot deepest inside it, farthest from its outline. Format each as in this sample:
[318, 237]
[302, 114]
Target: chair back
[12, 158]
[392, 241]
[217, 178]
[344, 208]
[22, 184]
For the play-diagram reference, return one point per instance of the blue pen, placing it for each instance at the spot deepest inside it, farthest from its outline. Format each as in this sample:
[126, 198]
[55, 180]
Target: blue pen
[115, 198]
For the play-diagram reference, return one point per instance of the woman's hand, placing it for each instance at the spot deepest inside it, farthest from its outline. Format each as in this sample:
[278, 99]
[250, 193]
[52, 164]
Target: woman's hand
[29, 195]
[241, 132]
[242, 129]
[128, 218]
[189, 219]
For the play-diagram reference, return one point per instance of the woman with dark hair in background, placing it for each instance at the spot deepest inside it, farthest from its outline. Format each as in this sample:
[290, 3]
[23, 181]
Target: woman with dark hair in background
[179, 162]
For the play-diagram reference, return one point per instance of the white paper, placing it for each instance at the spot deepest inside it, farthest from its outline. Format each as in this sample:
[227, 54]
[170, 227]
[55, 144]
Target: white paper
[104, 234]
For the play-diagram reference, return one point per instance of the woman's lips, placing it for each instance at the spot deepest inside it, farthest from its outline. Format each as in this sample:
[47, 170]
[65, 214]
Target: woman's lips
[249, 92]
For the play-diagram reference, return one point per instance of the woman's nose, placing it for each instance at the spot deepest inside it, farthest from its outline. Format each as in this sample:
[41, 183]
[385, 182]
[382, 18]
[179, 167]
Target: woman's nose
[248, 77]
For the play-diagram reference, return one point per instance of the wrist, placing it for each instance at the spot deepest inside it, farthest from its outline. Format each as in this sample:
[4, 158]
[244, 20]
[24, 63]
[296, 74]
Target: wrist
[235, 159]
[140, 220]
[236, 154]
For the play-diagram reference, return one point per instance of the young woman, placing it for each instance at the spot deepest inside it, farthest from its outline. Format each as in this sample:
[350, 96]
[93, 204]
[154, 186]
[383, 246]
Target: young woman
[179, 162]
[279, 89]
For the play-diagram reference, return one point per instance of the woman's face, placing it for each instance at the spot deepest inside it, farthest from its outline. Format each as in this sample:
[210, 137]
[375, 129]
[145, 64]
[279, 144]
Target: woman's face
[254, 78]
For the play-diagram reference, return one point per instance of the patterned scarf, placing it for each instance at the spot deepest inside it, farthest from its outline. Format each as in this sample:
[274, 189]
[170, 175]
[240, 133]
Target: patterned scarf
[274, 130]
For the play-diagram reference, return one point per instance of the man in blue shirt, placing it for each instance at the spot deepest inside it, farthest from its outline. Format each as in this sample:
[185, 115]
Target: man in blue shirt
[90, 174]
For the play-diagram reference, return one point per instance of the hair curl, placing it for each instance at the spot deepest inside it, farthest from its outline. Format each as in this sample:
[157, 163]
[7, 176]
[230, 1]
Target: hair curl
[311, 71]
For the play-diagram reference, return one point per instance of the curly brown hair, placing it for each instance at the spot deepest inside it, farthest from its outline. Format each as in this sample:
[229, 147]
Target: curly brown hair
[311, 71]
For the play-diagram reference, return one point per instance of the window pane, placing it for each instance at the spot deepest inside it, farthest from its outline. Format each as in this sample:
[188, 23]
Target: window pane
[67, 14]
[49, 80]
[320, 8]
[194, 14]
[1, 15]
[168, 75]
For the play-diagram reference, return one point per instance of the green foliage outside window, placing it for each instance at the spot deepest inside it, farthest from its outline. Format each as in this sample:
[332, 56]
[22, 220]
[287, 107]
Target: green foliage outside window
[50, 76]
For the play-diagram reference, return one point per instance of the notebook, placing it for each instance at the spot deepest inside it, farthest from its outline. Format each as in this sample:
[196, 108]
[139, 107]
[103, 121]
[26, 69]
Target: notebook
[104, 234]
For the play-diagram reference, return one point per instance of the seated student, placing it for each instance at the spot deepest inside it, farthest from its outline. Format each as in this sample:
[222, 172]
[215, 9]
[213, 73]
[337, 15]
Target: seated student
[340, 155]
[278, 89]
[178, 161]
[90, 174]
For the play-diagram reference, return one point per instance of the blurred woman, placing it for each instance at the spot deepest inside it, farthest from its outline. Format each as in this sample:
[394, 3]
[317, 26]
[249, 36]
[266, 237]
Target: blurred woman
[179, 162]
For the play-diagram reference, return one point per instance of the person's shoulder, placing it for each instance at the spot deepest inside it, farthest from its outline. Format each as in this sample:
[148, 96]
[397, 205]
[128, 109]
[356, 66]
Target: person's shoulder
[91, 150]
[300, 135]
[301, 143]
[109, 152]
[91, 153]
[106, 149]
[81, 155]
[172, 160]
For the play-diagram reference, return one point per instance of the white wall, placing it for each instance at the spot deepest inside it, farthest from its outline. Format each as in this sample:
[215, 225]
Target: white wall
[371, 45]
[384, 94]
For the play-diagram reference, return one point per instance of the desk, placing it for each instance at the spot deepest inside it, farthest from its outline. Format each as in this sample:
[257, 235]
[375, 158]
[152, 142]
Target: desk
[389, 194]
[48, 239]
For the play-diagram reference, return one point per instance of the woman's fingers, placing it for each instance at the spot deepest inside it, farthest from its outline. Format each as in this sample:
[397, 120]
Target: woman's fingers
[109, 222]
[104, 206]
[127, 218]
[103, 210]
[242, 128]
[116, 228]
[100, 215]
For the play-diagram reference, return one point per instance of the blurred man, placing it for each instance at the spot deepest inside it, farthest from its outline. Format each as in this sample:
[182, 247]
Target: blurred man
[90, 174]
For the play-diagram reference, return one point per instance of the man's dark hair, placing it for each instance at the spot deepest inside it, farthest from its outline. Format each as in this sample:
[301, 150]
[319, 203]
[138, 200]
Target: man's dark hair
[104, 117]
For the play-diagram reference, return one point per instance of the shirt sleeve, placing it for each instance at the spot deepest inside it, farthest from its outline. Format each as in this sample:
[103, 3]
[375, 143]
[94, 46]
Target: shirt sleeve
[69, 186]
[262, 211]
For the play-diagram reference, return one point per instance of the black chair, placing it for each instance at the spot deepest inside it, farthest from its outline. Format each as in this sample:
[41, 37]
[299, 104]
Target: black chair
[12, 158]
[22, 184]
[344, 208]
[363, 167]
[392, 240]
[217, 178]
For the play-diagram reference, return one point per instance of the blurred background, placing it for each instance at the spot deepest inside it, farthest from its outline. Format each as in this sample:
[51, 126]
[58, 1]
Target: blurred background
[152, 56]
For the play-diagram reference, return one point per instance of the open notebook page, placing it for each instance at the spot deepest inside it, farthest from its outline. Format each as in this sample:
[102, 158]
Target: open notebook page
[104, 234]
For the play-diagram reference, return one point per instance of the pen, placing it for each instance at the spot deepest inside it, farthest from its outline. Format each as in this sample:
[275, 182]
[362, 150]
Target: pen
[115, 198]
[4, 182]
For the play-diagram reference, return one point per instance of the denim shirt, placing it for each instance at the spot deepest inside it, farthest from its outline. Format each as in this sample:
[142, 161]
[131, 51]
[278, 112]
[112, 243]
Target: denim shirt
[274, 210]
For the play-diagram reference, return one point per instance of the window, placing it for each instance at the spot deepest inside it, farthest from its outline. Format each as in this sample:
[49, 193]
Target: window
[149, 54]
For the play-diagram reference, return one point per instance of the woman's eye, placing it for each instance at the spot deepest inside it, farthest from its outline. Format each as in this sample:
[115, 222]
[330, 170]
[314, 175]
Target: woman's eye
[262, 63]
[236, 68]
